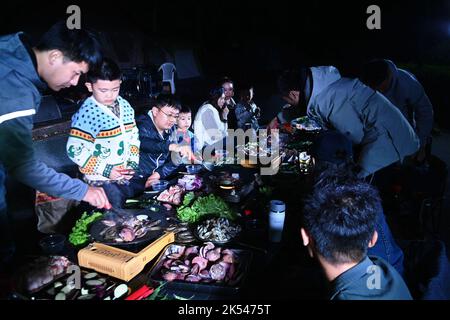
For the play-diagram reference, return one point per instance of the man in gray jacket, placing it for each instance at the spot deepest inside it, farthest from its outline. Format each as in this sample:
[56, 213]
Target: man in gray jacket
[406, 93]
[57, 61]
[367, 118]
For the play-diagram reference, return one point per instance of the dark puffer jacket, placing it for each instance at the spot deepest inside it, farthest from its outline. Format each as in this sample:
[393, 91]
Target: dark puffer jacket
[154, 154]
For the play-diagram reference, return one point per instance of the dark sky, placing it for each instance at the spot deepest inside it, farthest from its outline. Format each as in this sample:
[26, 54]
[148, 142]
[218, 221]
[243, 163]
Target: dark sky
[316, 32]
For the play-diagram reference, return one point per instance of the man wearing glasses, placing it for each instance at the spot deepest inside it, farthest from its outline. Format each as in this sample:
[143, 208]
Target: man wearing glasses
[157, 135]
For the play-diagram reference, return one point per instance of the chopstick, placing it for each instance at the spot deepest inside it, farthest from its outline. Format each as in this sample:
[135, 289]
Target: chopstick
[141, 293]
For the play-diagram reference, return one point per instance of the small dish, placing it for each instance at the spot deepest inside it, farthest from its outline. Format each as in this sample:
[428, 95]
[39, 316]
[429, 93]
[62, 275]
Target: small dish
[159, 185]
[193, 168]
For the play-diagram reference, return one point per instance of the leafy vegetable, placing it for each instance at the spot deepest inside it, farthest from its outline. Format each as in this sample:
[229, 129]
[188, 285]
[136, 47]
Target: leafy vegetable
[210, 204]
[266, 191]
[188, 198]
[79, 234]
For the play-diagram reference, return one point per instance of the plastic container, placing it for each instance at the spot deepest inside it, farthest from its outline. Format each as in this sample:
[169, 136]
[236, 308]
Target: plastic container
[193, 168]
[276, 220]
[53, 244]
[160, 185]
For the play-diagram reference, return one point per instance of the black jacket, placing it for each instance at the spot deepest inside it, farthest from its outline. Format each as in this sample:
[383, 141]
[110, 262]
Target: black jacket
[154, 154]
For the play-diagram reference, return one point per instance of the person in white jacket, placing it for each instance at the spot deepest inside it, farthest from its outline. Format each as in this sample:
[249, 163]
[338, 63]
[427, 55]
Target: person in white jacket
[367, 118]
[404, 91]
[210, 123]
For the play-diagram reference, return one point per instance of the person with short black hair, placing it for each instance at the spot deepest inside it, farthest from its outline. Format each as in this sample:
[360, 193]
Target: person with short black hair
[228, 89]
[247, 113]
[184, 122]
[405, 92]
[104, 138]
[338, 227]
[333, 158]
[368, 119]
[57, 62]
[157, 136]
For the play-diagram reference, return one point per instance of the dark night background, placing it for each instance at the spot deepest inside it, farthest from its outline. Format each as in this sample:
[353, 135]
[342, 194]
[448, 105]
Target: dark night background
[253, 40]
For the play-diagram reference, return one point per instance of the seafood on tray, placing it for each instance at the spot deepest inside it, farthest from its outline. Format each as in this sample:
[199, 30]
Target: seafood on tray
[172, 195]
[127, 230]
[200, 264]
[217, 229]
[183, 233]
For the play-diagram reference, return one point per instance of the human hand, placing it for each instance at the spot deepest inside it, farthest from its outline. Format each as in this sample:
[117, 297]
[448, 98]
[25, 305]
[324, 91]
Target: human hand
[184, 150]
[154, 177]
[225, 112]
[127, 173]
[96, 197]
[119, 174]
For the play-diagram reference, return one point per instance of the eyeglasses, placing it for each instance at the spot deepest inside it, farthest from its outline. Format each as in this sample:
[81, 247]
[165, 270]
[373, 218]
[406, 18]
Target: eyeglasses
[170, 115]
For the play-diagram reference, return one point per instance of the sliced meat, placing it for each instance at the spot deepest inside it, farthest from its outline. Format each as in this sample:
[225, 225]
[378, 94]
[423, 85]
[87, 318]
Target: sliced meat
[204, 274]
[127, 234]
[217, 272]
[193, 278]
[207, 247]
[191, 250]
[229, 256]
[213, 255]
[170, 276]
[167, 263]
[201, 262]
[180, 276]
[195, 269]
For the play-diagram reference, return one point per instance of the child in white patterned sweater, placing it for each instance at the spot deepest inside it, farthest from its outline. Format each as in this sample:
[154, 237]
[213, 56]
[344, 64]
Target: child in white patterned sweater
[104, 139]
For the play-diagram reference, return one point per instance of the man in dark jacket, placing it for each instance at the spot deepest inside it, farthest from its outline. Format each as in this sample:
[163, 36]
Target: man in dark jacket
[57, 61]
[405, 92]
[369, 120]
[158, 150]
[339, 225]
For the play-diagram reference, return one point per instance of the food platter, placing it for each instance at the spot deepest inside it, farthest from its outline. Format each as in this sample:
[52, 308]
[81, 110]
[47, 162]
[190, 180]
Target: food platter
[306, 124]
[202, 268]
[218, 230]
[134, 230]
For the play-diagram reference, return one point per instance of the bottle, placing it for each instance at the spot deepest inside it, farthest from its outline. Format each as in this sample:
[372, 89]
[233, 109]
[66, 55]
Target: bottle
[304, 162]
[276, 220]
